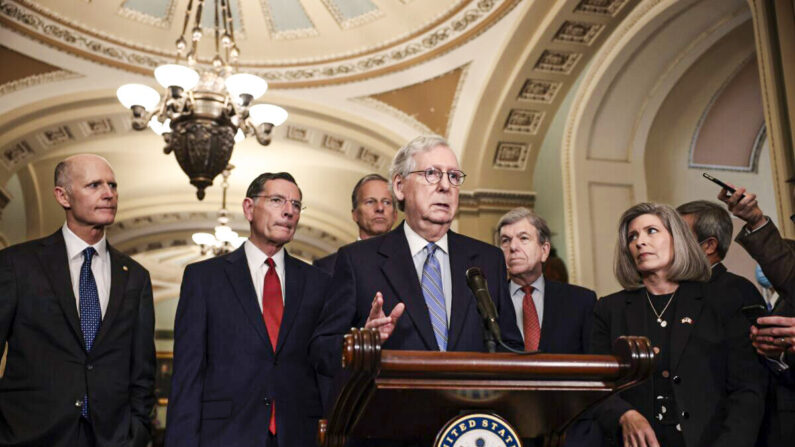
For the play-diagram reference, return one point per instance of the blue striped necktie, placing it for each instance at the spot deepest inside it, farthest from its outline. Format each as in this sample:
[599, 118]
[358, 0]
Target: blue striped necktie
[90, 312]
[434, 295]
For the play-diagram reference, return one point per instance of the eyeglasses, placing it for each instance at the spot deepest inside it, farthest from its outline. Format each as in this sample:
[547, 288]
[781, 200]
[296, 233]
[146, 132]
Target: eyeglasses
[275, 201]
[434, 176]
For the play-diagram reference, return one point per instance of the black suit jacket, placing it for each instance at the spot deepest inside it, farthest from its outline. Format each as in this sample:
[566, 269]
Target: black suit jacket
[568, 314]
[721, 277]
[226, 374]
[326, 263]
[48, 370]
[384, 264]
[718, 382]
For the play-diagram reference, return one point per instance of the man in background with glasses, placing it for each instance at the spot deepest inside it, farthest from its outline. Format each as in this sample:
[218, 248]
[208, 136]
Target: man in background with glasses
[244, 320]
[373, 210]
[410, 283]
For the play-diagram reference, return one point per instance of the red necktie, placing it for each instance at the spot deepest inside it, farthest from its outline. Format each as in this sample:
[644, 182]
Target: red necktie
[272, 310]
[532, 328]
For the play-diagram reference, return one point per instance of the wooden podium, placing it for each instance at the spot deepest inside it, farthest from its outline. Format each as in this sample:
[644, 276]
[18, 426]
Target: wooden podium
[411, 395]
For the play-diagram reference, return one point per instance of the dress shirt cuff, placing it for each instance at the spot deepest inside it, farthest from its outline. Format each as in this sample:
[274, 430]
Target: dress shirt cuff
[750, 231]
[778, 365]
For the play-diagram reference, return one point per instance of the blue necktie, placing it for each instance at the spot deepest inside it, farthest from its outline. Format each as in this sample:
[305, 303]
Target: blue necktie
[434, 296]
[90, 312]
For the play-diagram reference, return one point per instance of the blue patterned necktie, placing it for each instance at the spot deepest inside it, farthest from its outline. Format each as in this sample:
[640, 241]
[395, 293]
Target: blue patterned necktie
[434, 296]
[90, 312]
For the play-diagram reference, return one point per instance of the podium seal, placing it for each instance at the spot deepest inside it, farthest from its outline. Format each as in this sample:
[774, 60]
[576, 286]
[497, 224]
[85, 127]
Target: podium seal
[477, 430]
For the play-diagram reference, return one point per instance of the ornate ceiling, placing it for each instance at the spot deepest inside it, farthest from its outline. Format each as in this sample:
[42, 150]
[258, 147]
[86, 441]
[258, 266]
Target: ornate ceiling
[358, 77]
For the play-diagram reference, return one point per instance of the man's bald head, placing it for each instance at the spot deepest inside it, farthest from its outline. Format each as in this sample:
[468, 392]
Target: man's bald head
[63, 170]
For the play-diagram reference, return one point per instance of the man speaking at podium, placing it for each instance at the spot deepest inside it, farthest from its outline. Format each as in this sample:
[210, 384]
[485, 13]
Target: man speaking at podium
[411, 283]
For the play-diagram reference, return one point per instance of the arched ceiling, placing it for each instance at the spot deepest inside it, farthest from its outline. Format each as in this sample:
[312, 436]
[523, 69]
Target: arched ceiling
[358, 77]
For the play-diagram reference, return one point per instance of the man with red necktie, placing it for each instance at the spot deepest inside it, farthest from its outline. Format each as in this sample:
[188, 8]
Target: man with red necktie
[243, 375]
[553, 317]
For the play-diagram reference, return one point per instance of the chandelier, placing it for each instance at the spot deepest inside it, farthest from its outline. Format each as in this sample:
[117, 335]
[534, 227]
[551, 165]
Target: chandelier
[205, 109]
[224, 239]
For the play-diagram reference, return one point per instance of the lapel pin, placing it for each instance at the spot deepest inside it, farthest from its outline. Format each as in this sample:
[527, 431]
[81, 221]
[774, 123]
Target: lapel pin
[687, 320]
[124, 267]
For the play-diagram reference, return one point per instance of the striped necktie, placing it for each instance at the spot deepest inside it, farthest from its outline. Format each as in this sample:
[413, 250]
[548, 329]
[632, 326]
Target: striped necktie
[434, 296]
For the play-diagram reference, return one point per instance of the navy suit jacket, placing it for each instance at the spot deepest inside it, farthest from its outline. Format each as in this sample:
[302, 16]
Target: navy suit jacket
[384, 264]
[48, 370]
[226, 374]
[326, 263]
[568, 314]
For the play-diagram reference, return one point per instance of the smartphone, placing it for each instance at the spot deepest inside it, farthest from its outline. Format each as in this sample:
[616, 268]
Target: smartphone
[755, 311]
[720, 183]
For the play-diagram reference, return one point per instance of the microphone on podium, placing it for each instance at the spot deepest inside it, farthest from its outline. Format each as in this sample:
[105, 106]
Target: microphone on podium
[492, 335]
[477, 283]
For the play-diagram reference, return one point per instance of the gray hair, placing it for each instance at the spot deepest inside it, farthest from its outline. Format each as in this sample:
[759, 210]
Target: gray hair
[689, 262]
[62, 177]
[517, 214]
[403, 163]
[710, 220]
[361, 182]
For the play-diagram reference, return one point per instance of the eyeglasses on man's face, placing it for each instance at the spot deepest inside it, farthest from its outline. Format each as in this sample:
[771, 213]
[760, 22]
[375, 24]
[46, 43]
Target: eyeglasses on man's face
[434, 176]
[277, 201]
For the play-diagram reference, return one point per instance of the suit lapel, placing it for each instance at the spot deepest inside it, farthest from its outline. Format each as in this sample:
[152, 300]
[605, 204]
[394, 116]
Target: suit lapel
[118, 283]
[549, 323]
[688, 306]
[294, 295]
[636, 313]
[460, 260]
[240, 278]
[52, 256]
[399, 271]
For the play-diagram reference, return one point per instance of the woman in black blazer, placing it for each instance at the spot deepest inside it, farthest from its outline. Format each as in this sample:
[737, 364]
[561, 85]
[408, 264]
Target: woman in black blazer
[707, 388]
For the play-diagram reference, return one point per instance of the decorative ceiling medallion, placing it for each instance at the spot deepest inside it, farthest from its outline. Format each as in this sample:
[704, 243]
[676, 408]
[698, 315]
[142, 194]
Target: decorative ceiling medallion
[17, 154]
[351, 19]
[540, 90]
[373, 159]
[334, 144]
[94, 127]
[524, 121]
[578, 32]
[601, 7]
[455, 30]
[36, 80]
[55, 136]
[300, 134]
[557, 61]
[511, 156]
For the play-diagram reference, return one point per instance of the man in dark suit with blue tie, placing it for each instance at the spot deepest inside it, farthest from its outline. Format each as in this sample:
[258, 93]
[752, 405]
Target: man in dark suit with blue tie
[553, 317]
[78, 317]
[410, 283]
[242, 373]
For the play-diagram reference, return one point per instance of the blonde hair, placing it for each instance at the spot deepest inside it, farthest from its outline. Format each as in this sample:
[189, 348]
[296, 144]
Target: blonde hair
[689, 262]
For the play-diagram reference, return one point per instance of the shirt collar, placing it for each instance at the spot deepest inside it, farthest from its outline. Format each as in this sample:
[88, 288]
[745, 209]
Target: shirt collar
[256, 257]
[538, 284]
[75, 245]
[417, 242]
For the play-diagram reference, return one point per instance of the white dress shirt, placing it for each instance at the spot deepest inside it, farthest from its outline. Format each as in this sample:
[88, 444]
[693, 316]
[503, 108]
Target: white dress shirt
[517, 298]
[442, 254]
[100, 266]
[258, 268]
